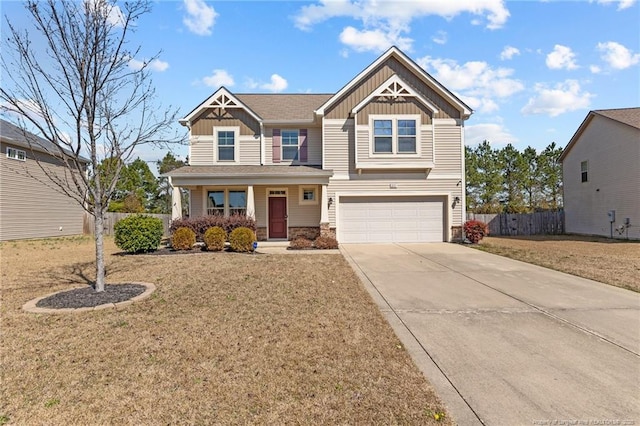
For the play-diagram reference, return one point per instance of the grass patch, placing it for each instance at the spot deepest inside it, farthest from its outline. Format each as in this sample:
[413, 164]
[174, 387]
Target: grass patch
[614, 262]
[225, 339]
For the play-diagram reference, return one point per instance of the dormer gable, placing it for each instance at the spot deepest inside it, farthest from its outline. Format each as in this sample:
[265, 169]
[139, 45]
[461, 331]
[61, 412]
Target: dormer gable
[222, 100]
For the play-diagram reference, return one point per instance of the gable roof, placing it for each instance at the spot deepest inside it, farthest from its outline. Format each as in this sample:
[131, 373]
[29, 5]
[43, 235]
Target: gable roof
[627, 116]
[279, 107]
[14, 135]
[409, 63]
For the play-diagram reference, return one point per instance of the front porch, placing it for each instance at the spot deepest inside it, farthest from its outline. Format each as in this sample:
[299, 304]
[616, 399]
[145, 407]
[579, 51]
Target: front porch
[285, 201]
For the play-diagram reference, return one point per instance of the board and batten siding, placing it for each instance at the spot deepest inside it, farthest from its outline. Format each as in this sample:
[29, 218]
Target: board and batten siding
[30, 206]
[202, 151]
[376, 78]
[447, 148]
[612, 150]
[339, 147]
[314, 145]
[364, 146]
[408, 106]
[234, 117]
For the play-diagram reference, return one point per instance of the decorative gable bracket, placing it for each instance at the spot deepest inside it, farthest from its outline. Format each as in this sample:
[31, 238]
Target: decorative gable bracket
[221, 99]
[393, 89]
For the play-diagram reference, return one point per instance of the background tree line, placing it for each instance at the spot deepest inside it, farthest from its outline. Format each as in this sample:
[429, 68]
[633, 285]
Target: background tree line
[138, 190]
[509, 181]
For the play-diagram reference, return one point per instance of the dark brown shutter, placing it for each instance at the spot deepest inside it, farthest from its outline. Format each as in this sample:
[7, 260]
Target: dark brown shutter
[276, 142]
[302, 143]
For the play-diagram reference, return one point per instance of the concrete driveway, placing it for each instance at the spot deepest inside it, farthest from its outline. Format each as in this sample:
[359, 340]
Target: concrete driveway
[508, 343]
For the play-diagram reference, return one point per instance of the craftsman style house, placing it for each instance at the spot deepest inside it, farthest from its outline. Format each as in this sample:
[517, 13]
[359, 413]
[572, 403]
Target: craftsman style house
[381, 160]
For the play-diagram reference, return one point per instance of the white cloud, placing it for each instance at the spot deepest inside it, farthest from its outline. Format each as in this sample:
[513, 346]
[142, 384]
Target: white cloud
[154, 65]
[595, 69]
[509, 52]
[494, 133]
[562, 57]
[219, 78]
[200, 17]
[553, 101]
[387, 21]
[440, 37]
[617, 56]
[277, 84]
[622, 4]
[475, 81]
[373, 40]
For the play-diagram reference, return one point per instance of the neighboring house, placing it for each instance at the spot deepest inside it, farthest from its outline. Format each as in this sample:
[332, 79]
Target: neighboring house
[31, 206]
[601, 175]
[381, 160]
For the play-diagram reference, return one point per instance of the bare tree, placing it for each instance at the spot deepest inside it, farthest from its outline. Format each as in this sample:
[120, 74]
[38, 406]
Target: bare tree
[72, 83]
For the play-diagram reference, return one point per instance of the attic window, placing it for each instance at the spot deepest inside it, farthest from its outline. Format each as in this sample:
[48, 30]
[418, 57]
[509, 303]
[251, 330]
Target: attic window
[584, 169]
[16, 154]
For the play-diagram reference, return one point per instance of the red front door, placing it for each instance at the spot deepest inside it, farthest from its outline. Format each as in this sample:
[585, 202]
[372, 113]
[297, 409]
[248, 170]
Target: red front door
[277, 217]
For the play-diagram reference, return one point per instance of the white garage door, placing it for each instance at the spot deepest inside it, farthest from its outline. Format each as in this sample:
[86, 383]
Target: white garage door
[390, 219]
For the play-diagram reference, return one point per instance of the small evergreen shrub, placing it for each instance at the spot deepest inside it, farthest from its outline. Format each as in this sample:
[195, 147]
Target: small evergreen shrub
[200, 224]
[214, 238]
[475, 230]
[183, 239]
[300, 243]
[325, 243]
[241, 239]
[138, 233]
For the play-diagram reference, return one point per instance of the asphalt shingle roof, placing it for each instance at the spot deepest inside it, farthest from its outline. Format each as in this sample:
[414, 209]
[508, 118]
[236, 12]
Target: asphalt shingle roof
[283, 106]
[628, 116]
[246, 171]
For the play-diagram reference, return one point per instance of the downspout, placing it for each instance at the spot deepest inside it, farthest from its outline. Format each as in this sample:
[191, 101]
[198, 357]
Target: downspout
[262, 145]
[463, 199]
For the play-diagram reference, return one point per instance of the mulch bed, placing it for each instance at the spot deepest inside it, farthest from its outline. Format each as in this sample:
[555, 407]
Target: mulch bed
[87, 297]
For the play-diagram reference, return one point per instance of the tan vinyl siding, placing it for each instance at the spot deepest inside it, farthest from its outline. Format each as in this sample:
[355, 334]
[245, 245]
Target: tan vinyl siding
[612, 150]
[302, 215]
[447, 156]
[405, 184]
[29, 206]
[365, 156]
[314, 145]
[260, 200]
[204, 124]
[410, 106]
[203, 151]
[249, 150]
[339, 154]
[196, 200]
[377, 77]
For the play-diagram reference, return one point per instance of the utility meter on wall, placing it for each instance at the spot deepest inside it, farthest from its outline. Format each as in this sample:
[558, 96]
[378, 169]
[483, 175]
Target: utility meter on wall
[612, 215]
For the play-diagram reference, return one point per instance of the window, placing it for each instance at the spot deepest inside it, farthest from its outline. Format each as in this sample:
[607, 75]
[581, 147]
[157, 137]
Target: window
[290, 145]
[237, 202]
[584, 168]
[16, 154]
[308, 195]
[226, 145]
[227, 202]
[395, 136]
[215, 203]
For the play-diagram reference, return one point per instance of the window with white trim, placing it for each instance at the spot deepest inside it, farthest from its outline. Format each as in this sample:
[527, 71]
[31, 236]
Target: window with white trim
[290, 140]
[308, 195]
[584, 171]
[227, 202]
[394, 135]
[226, 140]
[16, 154]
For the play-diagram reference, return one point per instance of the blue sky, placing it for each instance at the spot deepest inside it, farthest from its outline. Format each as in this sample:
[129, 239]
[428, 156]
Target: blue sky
[531, 70]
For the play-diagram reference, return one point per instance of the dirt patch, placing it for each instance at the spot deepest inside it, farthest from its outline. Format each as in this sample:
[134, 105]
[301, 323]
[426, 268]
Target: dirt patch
[613, 262]
[224, 339]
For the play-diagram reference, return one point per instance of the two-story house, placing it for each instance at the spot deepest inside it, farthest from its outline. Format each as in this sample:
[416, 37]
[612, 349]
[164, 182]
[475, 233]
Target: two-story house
[381, 160]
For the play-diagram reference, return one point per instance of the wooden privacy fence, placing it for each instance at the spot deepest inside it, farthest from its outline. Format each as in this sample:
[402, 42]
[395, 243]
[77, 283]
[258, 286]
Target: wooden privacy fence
[110, 220]
[538, 223]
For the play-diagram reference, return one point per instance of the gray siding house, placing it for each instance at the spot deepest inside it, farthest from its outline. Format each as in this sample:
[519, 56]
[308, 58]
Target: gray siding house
[601, 175]
[380, 160]
[30, 204]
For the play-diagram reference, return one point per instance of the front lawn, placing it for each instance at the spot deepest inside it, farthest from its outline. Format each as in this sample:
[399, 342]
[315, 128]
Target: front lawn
[614, 262]
[225, 339]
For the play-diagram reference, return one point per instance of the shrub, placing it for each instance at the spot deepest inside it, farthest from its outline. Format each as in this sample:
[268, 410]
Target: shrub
[214, 238]
[138, 233]
[183, 239]
[241, 239]
[475, 230]
[301, 243]
[325, 243]
[200, 224]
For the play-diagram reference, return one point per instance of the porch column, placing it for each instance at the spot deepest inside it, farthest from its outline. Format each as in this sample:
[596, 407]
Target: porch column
[251, 204]
[324, 206]
[176, 202]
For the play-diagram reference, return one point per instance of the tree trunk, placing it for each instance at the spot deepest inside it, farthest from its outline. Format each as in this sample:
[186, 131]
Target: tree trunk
[99, 231]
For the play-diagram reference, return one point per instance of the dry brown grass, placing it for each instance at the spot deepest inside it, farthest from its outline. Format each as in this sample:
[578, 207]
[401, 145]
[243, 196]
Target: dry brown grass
[613, 262]
[225, 339]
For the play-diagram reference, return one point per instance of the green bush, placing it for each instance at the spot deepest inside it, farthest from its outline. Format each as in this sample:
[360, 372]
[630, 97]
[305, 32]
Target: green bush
[138, 233]
[241, 239]
[183, 239]
[214, 238]
[475, 230]
[325, 243]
